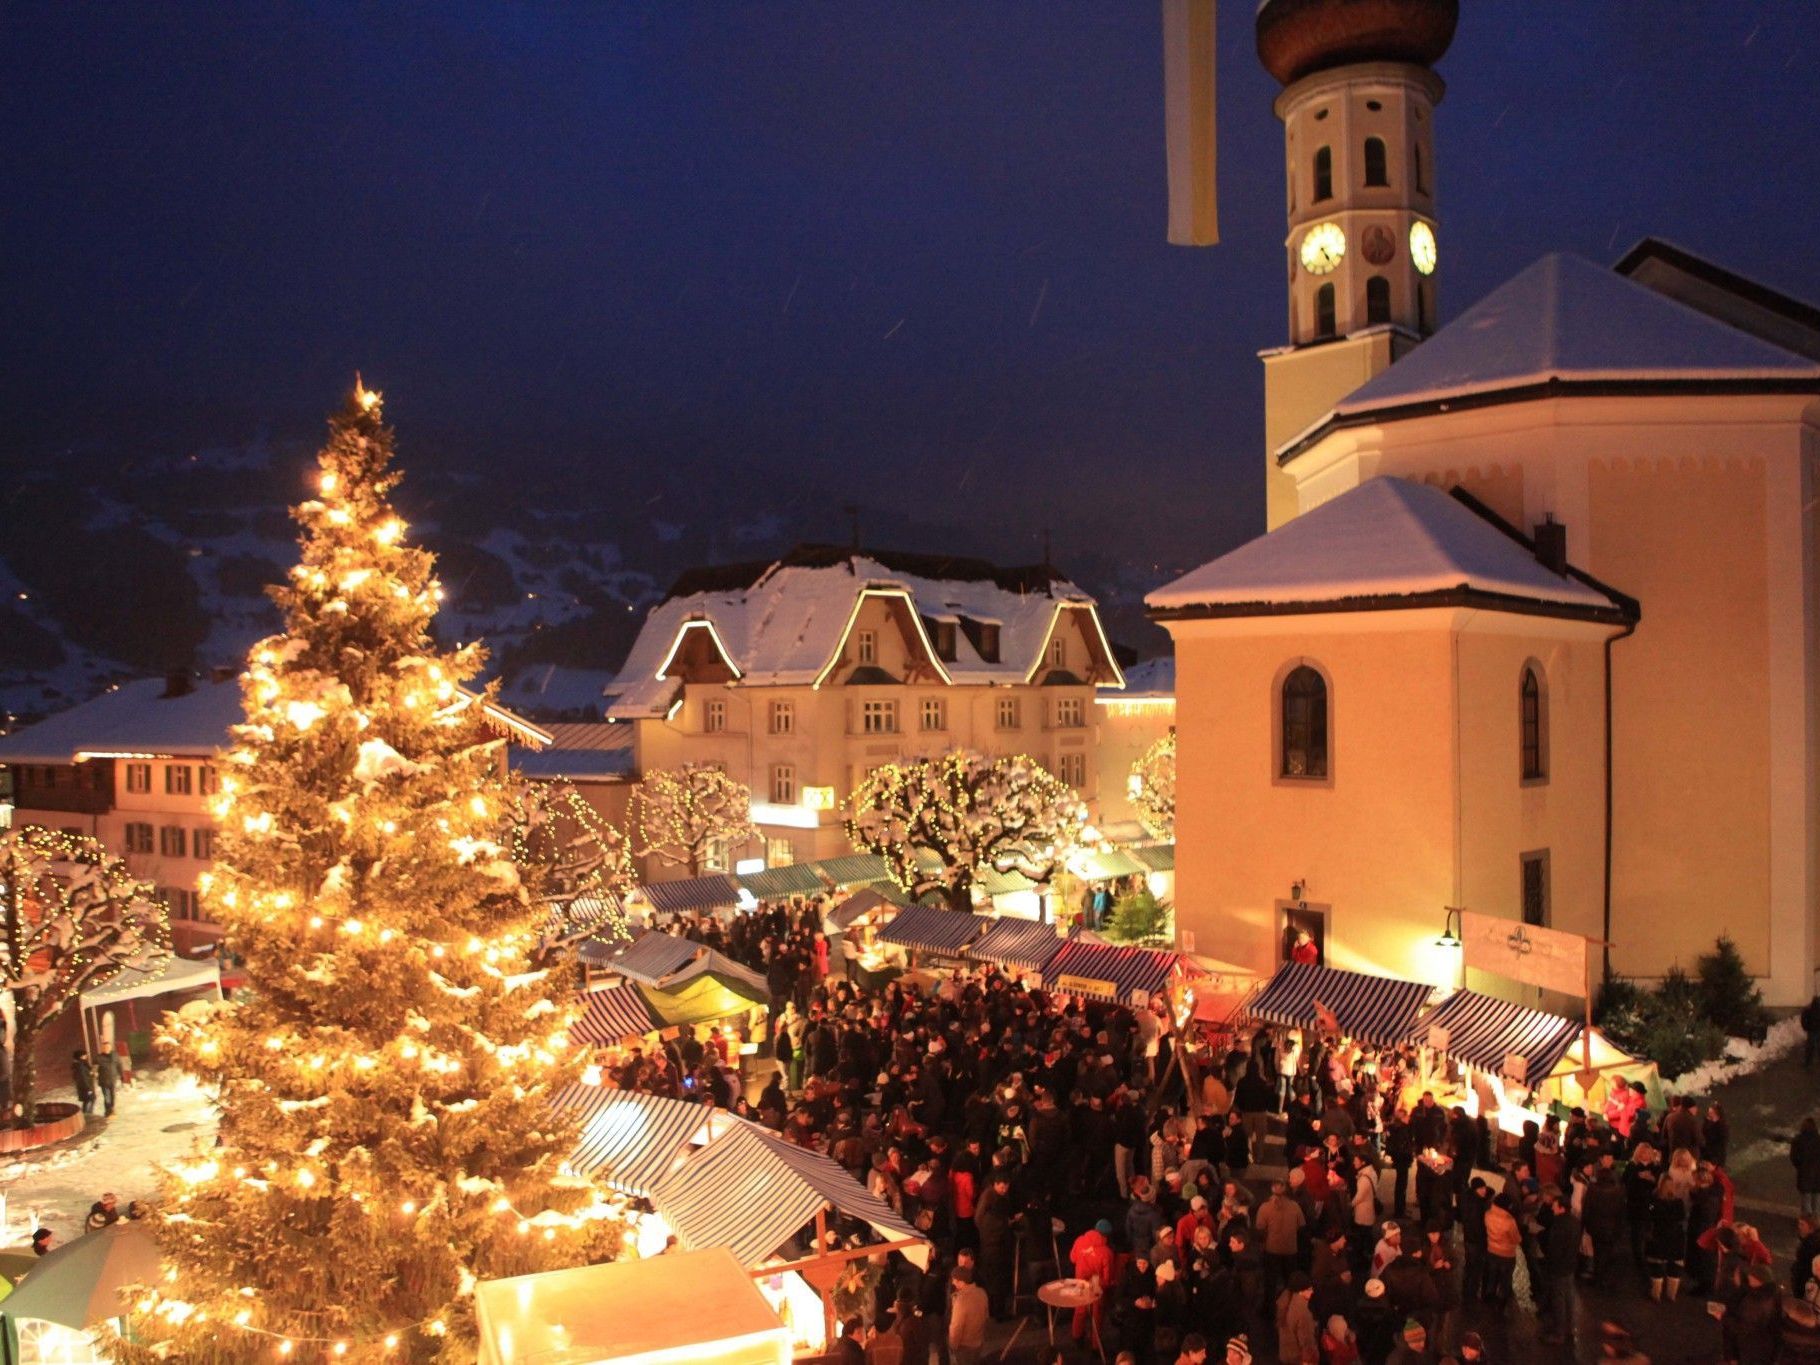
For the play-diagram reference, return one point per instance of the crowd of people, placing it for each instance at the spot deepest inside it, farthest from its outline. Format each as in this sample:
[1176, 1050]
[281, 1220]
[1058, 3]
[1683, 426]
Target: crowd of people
[1026, 1135]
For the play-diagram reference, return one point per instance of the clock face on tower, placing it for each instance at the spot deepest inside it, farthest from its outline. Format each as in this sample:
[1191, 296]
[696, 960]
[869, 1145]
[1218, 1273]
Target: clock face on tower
[1323, 248]
[1422, 250]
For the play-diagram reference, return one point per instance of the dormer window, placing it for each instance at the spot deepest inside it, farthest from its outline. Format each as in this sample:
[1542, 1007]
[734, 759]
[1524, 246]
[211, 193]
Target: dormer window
[989, 643]
[1058, 653]
[942, 635]
[866, 646]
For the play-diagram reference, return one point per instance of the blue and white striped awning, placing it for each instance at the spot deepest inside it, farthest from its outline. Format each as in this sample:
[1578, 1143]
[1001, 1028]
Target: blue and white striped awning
[611, 1016]
[714, 892]
[779, 883]
[653, 956]
[869, 901]
[1372, 1009]
[1018, 943]
[1483, 1031]
[630, 1140]
[1108, 972]
[852, 869]
[736, 1194]
[930, 929]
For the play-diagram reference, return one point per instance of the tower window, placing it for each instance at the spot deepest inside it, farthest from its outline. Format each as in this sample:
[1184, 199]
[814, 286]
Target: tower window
[1531, 726]
[1304, 723]
[1324, 325]
[1377, 167]
[1377, 300]
[1323, 174]
[1421, 177]
[1422, 310]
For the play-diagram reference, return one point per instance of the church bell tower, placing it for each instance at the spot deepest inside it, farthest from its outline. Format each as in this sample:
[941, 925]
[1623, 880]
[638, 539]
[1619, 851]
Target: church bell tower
[1358, 102]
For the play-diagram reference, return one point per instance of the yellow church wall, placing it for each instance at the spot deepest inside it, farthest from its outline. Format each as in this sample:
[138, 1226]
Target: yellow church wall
[1373, 844]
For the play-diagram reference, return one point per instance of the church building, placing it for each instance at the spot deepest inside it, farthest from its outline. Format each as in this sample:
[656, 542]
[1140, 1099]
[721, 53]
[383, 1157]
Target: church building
[1533, 632]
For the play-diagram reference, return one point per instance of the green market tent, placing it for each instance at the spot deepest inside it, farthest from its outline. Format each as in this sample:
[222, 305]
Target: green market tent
[703, 998]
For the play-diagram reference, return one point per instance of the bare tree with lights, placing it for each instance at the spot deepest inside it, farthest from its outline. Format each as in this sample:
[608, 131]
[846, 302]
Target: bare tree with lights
[73, 918]
[971, 812]
[1153, 787]
[387, 1133]
[682, 813]
[581, 864]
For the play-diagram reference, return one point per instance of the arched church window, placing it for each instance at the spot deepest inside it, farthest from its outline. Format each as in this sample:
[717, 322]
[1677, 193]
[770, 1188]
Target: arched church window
[1304, 723]
[1377, 300]
[1324, 325]
[1323, 174]
[1377, 165]
[1532, 723]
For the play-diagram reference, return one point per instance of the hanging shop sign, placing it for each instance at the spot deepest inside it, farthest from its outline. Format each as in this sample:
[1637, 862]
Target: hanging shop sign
[1549, 958]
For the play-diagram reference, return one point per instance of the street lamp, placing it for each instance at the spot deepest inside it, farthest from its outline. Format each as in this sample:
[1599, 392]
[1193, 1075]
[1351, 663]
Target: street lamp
[1451, 929]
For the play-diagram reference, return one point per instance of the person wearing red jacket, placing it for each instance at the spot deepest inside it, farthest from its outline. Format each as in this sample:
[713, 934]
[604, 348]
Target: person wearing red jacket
[1091, 1256]
[1198, 1216]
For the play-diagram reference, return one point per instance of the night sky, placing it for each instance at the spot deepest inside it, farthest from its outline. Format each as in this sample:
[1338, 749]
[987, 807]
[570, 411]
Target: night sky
[910, 253]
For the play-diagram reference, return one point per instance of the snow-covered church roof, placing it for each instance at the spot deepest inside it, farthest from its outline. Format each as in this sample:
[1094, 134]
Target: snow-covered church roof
[1567, 319]
[785, 622]
[1389, 538]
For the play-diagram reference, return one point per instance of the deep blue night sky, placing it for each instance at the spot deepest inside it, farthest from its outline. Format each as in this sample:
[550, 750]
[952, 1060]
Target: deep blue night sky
[907, 252]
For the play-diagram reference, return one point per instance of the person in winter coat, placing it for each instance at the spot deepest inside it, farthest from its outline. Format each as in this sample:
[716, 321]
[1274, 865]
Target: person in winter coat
[1560, 1259]
[1666, 1248]
[82, 1075]
[1279, 1222]
[1715, 1141]
[1298, 1340]
[1238, 1145]
[1339, 1343]
[1091, 1257]
[968, 1312]
[1602, 1211]
[1503, 1240]
[1800, 1344]
[1751, 1328]
[1400, 1147]
[1804, 1153]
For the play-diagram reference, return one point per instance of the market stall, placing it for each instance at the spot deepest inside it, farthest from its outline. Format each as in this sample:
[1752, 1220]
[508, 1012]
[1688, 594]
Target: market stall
[931, 931]
[699, 1306]
[1018, 945]
[717, 891]
[56, 1315]
[851, 871]
[1378, 1010]
[172, 976]
[781, 883]
[684, 982]
[629, 1140]
[1104, 971]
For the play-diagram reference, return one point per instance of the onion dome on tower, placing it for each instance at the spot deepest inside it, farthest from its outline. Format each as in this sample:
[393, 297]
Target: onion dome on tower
[1299, 37]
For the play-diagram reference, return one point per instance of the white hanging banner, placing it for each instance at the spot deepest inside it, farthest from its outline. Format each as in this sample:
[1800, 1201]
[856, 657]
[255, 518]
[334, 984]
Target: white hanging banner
[1549, 958]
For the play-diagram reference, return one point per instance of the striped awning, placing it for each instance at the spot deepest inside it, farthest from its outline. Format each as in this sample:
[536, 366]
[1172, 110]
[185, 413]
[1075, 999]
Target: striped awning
[1483, 1031]
[777, 883]
[1104, 864]
[855, 869]
[996, 883]
[929, 929]
[630, 1140]
[1372, 1009]
[611, 1016]
[1108, 972]
[859, 904]
[1156, 857]
[1018, 943]
[752, 1192]
[694, 893]
[653, 956]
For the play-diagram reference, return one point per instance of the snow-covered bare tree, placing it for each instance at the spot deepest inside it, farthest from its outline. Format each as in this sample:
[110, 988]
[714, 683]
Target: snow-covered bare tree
[73, 920]
[1153, 787]
[572, 860]
[680, 813]
[971, 812]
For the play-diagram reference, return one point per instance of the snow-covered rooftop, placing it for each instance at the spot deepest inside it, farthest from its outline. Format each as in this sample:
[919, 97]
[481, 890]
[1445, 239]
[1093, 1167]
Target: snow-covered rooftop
[1567, 318]
[580, 751]
[784, 623]
[1147, 679]
[135, 717]
[1386, 538]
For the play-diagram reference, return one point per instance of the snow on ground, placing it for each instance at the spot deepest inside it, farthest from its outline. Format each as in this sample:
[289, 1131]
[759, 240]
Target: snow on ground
[158, 1119]
[1741, 1059]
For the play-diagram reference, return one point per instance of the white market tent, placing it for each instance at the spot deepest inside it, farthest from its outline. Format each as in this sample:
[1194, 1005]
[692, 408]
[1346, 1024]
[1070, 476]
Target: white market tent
[172, 974]
[693, 1305]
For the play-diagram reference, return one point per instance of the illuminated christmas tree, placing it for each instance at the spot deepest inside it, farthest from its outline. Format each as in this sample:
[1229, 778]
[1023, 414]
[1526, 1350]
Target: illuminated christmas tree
[1153, 787]
[386, 1129]
[970, 812]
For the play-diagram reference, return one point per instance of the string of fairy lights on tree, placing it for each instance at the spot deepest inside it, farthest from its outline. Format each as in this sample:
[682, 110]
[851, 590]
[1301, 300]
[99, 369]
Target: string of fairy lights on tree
[970, 811]
[1153, 787]
[583, 863]
[682, 813]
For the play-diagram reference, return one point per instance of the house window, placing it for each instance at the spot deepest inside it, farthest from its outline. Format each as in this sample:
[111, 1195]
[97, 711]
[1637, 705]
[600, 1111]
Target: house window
[177, 779]
[779, 853]
[208, 779]
[944, 641]
[714, 716]
[138, 837]
[935, 714]
[716, 856]
[1377, 300]
[139, 778]
[1058, 653]
[1323, 174]
[783, 784]
[866, 641]
[878, 717]
[1304, 723]
[988, 643]
[171, 841]
[783, 717]
[182, 903]
[1070, 713]
[1072, 769]
[1324, 324]
[1377, 168]
[202, 844]
[1535, 888]
[1008, 718]
[1530, 721]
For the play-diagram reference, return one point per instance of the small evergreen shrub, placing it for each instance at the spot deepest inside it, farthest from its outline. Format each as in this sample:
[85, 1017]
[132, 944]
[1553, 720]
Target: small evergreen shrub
[1139, 918]
[1728, 995]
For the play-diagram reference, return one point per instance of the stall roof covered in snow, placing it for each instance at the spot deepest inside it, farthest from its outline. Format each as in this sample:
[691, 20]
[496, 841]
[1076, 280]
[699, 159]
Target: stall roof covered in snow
[1565, 321]
[786, 621]
[1389, 542]
[580, 751]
